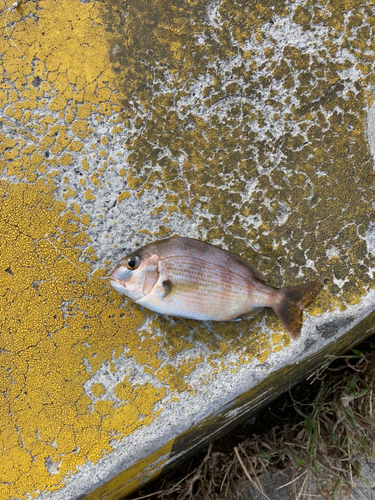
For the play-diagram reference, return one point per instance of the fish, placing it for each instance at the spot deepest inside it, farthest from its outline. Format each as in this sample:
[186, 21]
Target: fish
[190, 278]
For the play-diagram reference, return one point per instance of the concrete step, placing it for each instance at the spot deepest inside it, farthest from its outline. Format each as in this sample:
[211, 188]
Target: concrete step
[246, 125]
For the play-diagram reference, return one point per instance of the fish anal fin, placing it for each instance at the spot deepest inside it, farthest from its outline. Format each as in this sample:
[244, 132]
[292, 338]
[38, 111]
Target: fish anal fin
[248, 314]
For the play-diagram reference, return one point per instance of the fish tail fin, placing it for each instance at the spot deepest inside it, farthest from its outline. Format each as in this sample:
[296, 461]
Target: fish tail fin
[293, 299]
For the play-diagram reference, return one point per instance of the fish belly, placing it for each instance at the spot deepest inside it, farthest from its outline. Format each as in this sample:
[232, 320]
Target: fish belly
[204, 290]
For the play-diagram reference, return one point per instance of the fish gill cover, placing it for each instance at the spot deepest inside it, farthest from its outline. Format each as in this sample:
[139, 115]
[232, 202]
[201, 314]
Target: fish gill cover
[240, 123]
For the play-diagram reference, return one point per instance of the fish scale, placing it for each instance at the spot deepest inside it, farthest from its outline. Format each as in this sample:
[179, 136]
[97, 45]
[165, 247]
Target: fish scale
[203, 288]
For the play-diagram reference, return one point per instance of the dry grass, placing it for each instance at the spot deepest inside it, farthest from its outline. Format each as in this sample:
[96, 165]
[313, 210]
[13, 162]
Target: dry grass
[327, 441]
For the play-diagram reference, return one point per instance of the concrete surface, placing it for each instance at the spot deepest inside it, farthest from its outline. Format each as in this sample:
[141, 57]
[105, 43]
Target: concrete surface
[240, 123]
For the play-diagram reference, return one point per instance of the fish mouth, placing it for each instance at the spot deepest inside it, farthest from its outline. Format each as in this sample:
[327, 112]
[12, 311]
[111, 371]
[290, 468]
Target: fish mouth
[117, 284]
[115, 280]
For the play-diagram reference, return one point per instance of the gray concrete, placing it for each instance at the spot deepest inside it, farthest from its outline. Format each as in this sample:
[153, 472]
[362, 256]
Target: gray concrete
[241, 127]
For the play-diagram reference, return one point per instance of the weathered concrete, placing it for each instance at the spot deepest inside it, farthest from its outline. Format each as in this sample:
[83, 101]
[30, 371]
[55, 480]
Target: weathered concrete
[240, 123]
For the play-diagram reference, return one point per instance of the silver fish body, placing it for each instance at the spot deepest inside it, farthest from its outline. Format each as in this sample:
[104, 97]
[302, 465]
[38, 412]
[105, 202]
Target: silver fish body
[192, 279]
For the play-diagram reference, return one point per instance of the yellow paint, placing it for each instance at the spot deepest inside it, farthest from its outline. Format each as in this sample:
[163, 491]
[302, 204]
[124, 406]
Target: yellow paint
[187, 366]
[133, 477]
[170, 376]
[42, 369]
[48, 305]
[47, 348]
[210, 143]
[141, 397]
[163, 232]
[94, 179]
[75, 146]
[97, 390]
[66, 159]
[123, 196]
[89, 195]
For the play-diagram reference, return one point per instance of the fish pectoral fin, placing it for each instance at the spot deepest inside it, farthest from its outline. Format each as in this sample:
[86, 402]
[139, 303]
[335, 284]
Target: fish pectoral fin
[164, 284]
[249, 313]
[163, 288]
[167, 285]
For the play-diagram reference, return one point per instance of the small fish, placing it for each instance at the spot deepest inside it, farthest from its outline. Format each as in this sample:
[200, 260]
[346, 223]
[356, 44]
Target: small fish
[192, 279]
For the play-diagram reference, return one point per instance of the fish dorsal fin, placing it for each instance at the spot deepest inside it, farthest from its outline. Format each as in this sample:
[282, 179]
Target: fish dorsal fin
[250, 266]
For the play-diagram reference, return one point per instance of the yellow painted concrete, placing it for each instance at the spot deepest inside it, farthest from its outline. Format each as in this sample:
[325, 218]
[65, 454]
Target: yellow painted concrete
[77, 60]
[134, 477]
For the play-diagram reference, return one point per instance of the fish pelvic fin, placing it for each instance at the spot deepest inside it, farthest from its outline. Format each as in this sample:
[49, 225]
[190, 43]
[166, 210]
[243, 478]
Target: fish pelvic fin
[253, 311]
[293, 300]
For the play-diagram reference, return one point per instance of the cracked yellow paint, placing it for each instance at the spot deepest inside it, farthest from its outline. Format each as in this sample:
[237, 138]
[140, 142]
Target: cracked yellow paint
[68, 66]
[132, 478]
[97, 390]
[43, 345]
[47, 304]
[48, 344]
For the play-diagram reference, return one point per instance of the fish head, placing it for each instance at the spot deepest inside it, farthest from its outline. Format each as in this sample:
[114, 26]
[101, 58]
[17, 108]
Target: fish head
[136, 275]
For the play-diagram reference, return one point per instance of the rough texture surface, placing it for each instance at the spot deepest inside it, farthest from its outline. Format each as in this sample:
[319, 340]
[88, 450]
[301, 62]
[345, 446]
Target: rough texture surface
[283, 486]
[240, 123]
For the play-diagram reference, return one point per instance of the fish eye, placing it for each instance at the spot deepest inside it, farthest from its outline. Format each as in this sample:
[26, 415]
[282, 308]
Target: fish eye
[132, 263]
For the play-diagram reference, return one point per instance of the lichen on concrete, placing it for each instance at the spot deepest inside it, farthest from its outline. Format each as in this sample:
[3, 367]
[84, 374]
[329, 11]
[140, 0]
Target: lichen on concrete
[240, 123]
